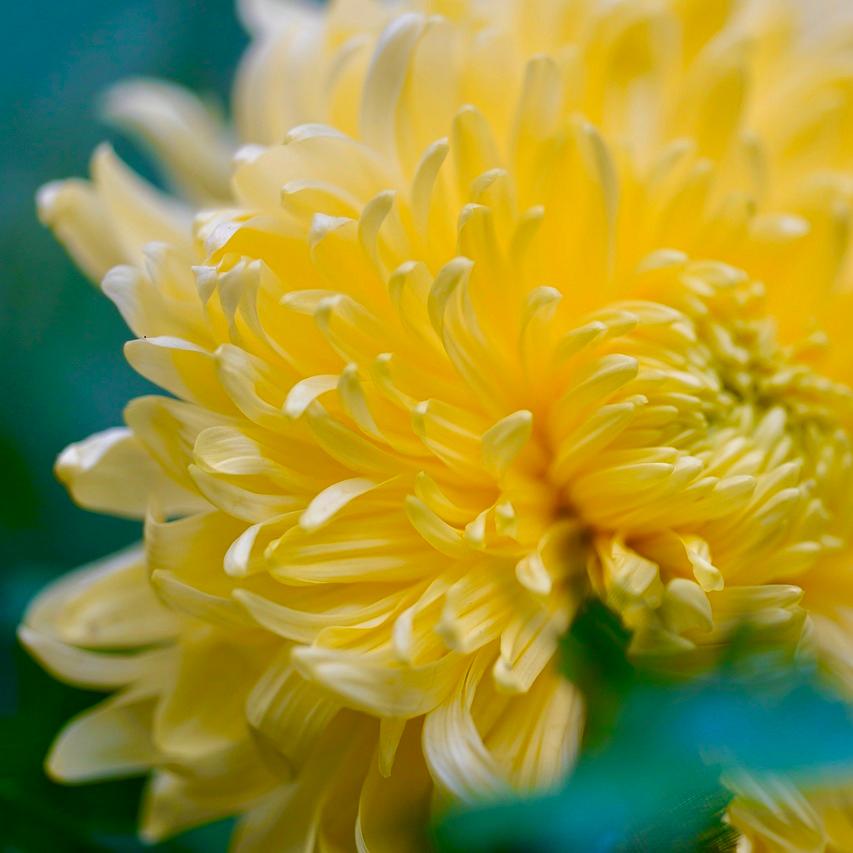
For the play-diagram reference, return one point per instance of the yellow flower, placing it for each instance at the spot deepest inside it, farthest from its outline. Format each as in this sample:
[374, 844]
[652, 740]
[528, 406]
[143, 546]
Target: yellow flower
[502, 304]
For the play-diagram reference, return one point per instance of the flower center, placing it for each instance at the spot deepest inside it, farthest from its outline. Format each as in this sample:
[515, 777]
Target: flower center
[690, 449]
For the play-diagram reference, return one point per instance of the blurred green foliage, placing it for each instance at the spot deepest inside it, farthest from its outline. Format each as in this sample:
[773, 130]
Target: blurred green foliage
[63, 373]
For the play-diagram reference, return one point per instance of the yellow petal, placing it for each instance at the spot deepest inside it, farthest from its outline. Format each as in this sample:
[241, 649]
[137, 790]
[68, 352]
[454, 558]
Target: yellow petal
[112, 740]
[391, 808]
[453, 747]
[78, 216]
[287, 713]
[204, 711]
[106, 605]
[379, 688]
[184, 134]
[111, 472]
[504, 441]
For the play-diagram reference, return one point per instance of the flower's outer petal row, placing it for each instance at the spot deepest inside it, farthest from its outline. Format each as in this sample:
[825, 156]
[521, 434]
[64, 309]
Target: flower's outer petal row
[111, 472]
[113, 219]
[184, 135]
[103, 628]
[107, 605]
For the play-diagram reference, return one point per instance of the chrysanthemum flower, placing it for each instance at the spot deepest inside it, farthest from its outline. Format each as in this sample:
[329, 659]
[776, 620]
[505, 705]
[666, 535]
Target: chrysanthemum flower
[502, 304]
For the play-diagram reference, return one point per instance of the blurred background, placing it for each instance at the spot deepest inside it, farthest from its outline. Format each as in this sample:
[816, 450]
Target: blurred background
[63, 373]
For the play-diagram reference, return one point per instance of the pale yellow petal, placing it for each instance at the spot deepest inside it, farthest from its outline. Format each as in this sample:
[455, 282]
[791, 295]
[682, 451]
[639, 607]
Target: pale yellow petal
[183, 133]
[78, 216]
[111, 472]
[112, 740]
[106, 605]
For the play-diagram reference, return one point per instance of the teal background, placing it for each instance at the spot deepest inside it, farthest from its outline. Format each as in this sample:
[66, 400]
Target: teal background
[63, 375]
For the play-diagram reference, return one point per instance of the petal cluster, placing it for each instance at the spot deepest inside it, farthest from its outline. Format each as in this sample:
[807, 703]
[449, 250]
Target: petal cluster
[499, 306]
